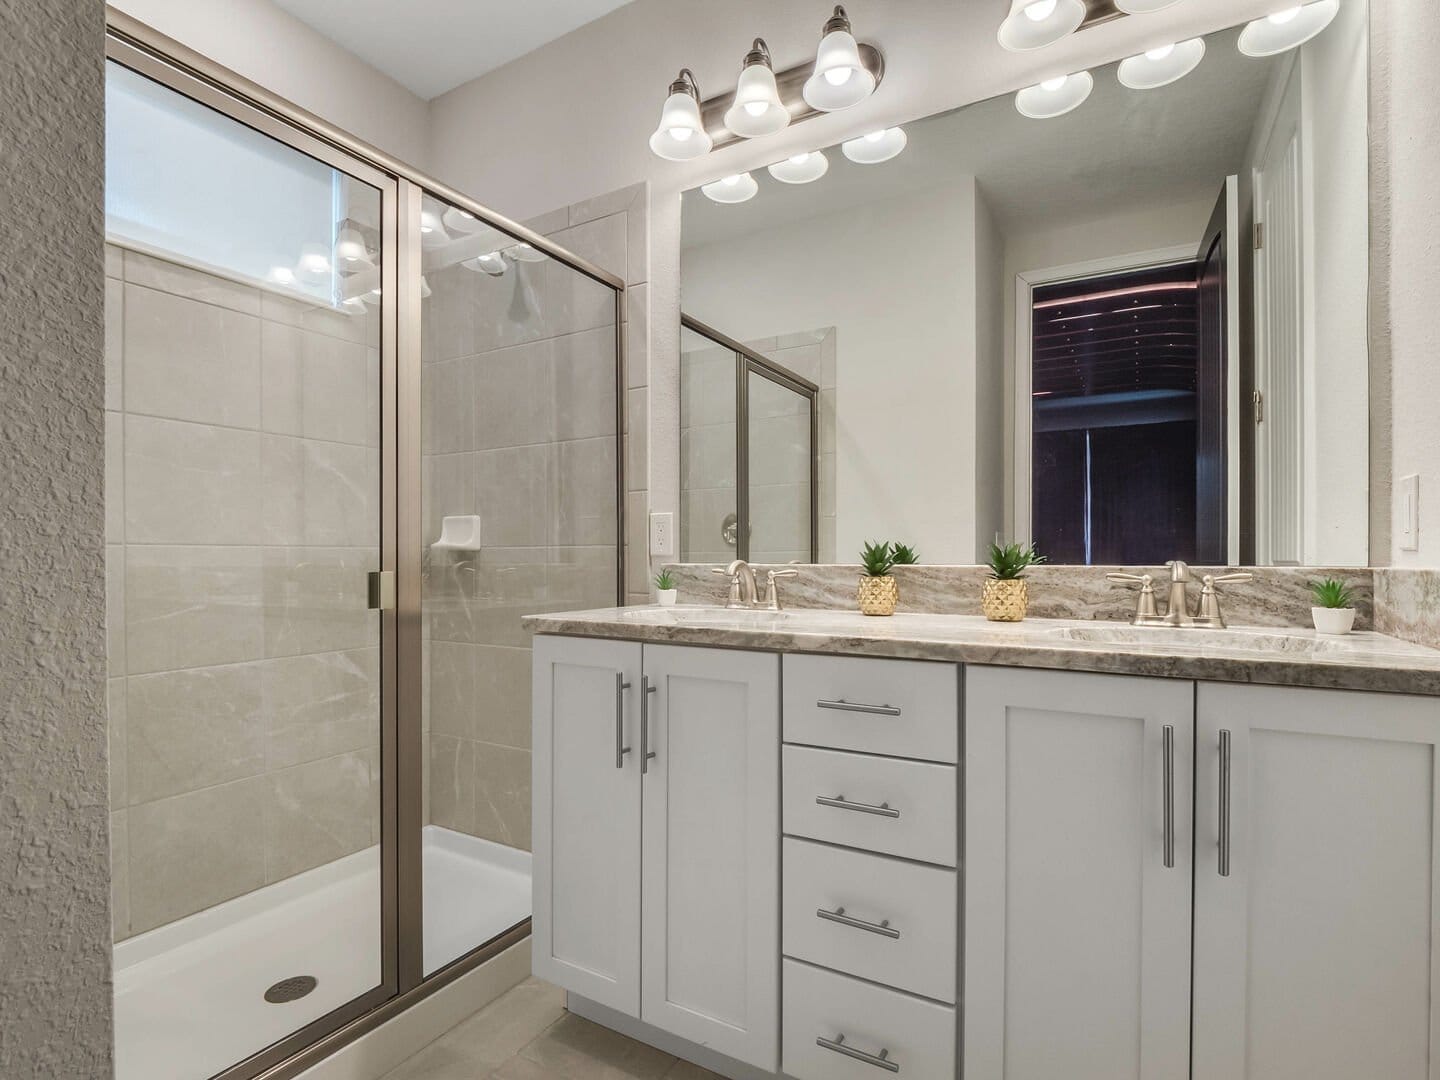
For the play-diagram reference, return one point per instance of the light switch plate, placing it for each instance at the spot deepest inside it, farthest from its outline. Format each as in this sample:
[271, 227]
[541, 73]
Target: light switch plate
[662, 535]
[1407, 494]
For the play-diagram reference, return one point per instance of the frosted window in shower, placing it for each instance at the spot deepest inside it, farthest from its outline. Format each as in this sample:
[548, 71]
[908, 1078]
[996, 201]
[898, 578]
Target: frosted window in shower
[184, 181]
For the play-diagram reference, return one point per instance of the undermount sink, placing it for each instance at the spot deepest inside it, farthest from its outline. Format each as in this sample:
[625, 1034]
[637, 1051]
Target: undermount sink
[1249, 639]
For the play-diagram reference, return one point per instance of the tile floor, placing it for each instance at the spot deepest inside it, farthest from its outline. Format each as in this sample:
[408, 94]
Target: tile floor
[528, 1035]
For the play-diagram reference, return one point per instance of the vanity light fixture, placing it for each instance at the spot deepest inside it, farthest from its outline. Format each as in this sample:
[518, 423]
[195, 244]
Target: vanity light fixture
[1033, 24]
[841, 78]
[757, 110]
[1055, 97]
[1162, 66]
[314, 261]
[801, 168]
[1143, 7]
[875, 147]
[1288, 28]
[492, 264]
[681, 135]
[282, 275]
[738, 188]
[460, 221]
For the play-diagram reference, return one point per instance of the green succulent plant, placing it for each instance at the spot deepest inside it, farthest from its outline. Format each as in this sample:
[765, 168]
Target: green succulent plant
[877, 558]
[663, 581]
[1011, 561]
[1332, 593]
[903, 555]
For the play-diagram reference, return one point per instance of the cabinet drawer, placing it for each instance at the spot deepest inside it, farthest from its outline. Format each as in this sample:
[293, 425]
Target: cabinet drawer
[917, 1036]
[904, 708]
[905, 808]
[915, 948]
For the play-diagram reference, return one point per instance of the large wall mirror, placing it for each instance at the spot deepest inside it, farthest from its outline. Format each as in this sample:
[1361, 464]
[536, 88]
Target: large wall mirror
[1132, 332]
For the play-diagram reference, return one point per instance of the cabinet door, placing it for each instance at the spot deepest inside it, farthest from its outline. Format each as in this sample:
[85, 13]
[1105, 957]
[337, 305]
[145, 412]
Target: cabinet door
[711, 894]
[1077, 875]
[586, 927]
[1315, 951]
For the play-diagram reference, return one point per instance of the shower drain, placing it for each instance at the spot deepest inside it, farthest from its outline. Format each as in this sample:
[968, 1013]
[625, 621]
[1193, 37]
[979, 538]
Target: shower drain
[291, 989]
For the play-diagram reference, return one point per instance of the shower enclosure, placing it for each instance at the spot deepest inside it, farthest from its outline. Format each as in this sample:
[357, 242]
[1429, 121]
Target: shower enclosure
[750, 470]
[356, 427]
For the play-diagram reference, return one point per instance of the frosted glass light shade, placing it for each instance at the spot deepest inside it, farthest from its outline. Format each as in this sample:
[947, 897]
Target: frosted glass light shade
[1055, 97]
[681, 134]
[460, 221]
[1288, 28]
[492, 264]
[876, 147]
[840, 80]
[523, 252]
[1161, 67]
[1033, 24]
[801, 168]
[1143, 7]
[732, 189]
[757, 110]
[350, 253]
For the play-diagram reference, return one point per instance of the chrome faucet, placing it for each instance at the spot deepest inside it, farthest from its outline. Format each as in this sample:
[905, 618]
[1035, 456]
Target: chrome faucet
[1177, 605]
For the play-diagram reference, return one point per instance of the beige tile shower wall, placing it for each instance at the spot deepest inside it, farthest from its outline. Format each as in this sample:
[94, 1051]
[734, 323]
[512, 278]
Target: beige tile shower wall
[520, 429]
[241, 516]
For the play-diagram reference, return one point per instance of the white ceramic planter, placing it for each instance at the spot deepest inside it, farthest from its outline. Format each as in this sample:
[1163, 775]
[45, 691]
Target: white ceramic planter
[667, 597]
[1333, 620]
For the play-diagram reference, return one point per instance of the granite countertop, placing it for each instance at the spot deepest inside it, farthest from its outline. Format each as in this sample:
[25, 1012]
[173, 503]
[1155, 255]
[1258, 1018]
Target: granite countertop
[1265, 655]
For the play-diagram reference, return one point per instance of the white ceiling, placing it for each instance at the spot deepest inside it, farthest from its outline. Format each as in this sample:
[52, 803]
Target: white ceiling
[431, 46]
[1121, 149]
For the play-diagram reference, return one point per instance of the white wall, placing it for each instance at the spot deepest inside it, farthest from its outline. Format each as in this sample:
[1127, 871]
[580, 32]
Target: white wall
[1405, 254]
[269, 46]
[1334, 101]
[897, 281]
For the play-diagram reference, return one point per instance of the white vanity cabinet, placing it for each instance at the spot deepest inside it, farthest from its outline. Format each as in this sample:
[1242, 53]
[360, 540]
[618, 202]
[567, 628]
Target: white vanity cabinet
[1077, 875]
[656, 836]
[1315, 940]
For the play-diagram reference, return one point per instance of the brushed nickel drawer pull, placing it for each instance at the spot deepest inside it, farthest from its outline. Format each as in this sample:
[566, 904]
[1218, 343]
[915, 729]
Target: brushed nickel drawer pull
[839, 802]
[1224, 803]
[1168, 746]
[838, 1045]
[883, 928]
[854, 706]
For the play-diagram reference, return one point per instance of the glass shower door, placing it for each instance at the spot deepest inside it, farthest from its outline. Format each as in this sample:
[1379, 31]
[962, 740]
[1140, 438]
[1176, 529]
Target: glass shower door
[244, 475]
[520, 515]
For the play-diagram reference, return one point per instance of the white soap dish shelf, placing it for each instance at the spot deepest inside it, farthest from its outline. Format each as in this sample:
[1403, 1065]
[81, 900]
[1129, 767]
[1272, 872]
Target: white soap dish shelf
[458, 533]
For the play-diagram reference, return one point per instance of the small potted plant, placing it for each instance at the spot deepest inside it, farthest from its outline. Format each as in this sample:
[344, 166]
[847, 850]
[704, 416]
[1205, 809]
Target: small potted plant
[1334, 610]
[877, 592]
[903, 555]
[665, 591]
[1005, 595]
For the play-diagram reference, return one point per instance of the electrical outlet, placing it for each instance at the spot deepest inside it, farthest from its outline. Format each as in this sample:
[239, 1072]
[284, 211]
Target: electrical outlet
[662, 535]
[1407, 493]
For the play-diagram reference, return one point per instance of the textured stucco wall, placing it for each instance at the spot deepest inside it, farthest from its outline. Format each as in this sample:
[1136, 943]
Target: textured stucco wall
[55, 1010]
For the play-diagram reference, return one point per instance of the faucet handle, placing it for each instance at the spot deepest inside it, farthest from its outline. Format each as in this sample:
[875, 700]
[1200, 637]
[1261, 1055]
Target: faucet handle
[1145, 610]
[1209, 612]
[773, 589]
[1238, 575]
[733, 601]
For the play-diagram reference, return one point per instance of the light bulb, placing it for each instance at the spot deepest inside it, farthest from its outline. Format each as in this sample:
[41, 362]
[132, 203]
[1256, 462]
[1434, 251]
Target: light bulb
[875, 147]
[738, 188]
[1051, 85]
[314, 260]
[282, 275]
[1041, 10]
[1033, 24]
[1159, 54]
[838, 76]
[1288, 28]
[801, 168]
[756, 108]
[1280, 18]
[1055, 97]
[1161, 67]
[681, 134]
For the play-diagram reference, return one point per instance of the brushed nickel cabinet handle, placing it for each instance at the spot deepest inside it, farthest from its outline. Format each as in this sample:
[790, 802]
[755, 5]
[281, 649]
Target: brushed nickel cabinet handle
[854, 706]
[839, 1046]
[1224, 803]
[646, 754]
[883, 928]
[620, 748]
[839, 802]
[1169, 745]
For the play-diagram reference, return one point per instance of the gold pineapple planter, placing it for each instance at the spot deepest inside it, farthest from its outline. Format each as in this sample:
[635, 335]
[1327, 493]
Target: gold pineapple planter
[1004, 600]
[877, 595]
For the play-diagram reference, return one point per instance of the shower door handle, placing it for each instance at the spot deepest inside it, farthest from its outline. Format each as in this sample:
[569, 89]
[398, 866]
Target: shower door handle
[620, 748]
[645, 752]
